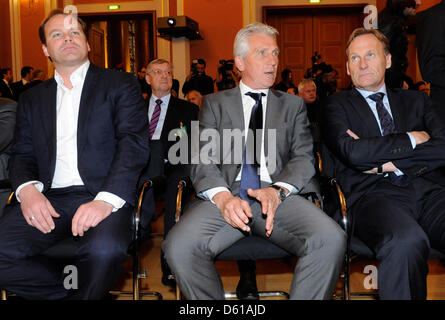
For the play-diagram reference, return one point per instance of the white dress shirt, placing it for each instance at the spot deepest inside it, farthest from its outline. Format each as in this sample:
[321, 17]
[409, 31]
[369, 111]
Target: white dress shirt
[248, 104]
[66, 172]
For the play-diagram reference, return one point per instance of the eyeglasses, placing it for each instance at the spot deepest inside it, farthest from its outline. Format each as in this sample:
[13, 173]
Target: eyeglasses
[158, 72]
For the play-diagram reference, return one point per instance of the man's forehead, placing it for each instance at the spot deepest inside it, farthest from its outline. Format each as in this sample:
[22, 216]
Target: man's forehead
[366, 42]
[162, 66]
[62, 22]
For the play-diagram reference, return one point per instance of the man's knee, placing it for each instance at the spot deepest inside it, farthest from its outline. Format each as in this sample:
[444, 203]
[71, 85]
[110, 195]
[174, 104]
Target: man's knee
[406, 245]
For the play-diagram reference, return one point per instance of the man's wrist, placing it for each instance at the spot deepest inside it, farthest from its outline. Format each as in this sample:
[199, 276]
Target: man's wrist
[282, 192]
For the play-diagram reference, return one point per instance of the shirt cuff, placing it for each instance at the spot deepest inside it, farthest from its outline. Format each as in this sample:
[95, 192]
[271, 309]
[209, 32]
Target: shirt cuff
[37, 184]
[411, 138]
[110, 198]
[291, 188]
[210, 193]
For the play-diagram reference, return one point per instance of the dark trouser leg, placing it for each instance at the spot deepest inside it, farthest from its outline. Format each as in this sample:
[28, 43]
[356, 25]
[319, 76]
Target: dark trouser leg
[101, 254]
[22, 270]
[387, 224]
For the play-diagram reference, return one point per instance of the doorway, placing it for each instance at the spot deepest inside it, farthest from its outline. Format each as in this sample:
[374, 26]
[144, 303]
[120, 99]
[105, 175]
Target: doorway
[306, 30]
[123, 41]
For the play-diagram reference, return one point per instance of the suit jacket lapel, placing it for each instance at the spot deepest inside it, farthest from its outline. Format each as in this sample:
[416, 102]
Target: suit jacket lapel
[397, 109]
[169, 121]
[272, 120]
[364, 111]
[234, 107]
[48, 114]
[86, 106]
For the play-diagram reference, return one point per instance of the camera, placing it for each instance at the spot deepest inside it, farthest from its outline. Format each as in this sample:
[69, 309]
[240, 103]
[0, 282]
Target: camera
[316, 57]
[226, 65]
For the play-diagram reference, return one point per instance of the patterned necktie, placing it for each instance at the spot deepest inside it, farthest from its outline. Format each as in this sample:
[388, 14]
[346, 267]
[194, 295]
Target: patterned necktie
[387, 124]
[250, 177]
[386, 121]
[154, 118]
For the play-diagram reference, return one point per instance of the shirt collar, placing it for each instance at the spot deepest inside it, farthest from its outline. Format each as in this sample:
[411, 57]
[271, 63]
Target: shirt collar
[244, 89]
[366, 93]
[165, 99]
[76, 78]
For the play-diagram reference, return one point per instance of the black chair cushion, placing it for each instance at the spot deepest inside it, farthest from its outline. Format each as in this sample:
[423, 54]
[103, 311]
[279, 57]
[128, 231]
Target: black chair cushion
[253, 248]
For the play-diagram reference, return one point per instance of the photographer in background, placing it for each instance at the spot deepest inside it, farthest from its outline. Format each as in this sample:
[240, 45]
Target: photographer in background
[198, 80]
[286, 81]
[227, 78]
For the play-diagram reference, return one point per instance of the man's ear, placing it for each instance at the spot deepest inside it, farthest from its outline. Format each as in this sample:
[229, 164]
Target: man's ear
[45, 50]
[239, 63]
[388, 61]
[347, 68]
[147, 78]
[88, 46]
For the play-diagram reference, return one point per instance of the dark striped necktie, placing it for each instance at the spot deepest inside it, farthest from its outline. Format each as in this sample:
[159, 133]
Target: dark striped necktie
[388, 127]
[154, 118]
[386, 121]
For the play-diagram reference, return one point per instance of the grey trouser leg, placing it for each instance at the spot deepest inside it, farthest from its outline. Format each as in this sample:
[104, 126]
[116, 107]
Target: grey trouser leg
[299, 227]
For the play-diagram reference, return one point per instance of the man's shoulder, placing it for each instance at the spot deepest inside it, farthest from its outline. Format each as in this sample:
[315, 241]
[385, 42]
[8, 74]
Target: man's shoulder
[408, 95]
[184, 104]
[7, 105]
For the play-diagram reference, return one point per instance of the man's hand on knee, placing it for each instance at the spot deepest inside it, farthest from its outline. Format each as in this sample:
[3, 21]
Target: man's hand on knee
[269, 199]
[233, 209]
[36, 209]
[89, 215]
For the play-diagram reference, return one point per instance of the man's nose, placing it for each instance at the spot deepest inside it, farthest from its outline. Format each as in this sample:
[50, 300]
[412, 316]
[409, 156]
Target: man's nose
[67, 37]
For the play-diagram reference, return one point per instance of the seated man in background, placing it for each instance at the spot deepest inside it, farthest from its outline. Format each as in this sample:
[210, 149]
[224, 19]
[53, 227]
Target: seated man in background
[195, 97]
[7, 125]
[80, 145]
[308, 91]
[238, 200]
[390, 146]
[165, 113]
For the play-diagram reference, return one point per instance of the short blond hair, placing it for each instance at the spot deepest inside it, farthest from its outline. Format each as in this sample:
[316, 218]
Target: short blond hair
[362, 31]
[305, 82]
[157, 61]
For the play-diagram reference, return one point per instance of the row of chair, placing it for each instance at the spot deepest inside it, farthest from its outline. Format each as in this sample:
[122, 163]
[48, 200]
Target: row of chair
[329, 194]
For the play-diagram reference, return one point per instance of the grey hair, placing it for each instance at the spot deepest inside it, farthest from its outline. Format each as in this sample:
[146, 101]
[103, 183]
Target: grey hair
[306, 82]
[241, 43]
[158, 61]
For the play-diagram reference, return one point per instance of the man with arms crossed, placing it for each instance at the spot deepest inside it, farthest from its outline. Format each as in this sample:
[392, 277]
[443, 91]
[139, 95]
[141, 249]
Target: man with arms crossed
[391, 145]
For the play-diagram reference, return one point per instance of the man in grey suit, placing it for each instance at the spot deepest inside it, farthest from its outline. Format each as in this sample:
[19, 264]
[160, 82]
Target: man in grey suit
[254, 197]
[7, 124]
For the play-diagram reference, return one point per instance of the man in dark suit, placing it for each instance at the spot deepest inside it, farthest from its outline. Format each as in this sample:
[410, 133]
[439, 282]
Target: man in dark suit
[390, 146]
[20, 86]
[170, 118]
[241, 193]
[7, 124]
[80, 145]
[431, 51]
[5, 80]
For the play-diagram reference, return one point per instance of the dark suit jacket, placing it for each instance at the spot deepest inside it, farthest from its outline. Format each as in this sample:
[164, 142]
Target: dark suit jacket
[292, 161]
[411, 111]
[7, 124]
[18, 88]
[178, 111]
[431, 48]
[111, 137]
[4, 90]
